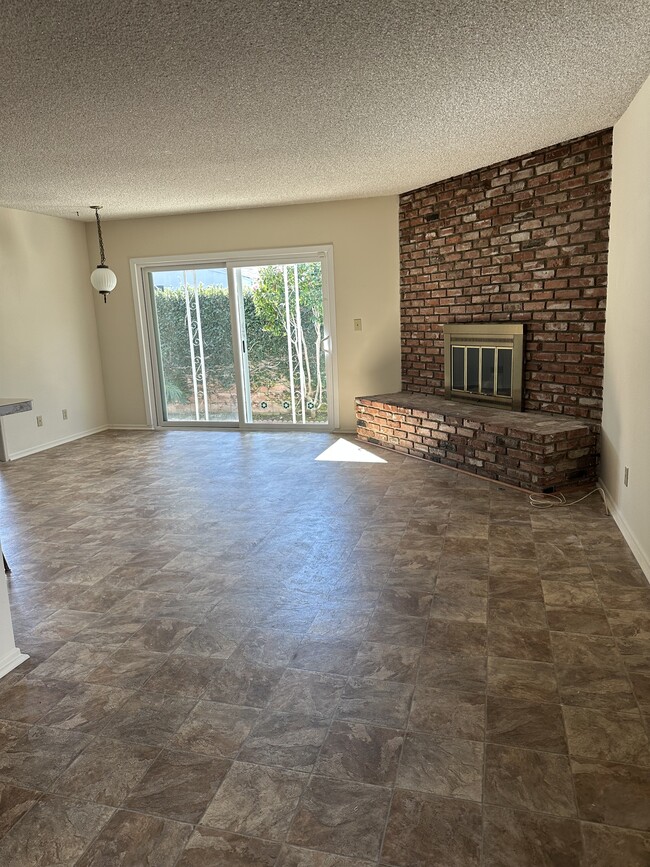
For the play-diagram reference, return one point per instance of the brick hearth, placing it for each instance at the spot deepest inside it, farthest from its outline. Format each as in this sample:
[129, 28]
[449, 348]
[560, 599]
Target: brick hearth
[536, 451]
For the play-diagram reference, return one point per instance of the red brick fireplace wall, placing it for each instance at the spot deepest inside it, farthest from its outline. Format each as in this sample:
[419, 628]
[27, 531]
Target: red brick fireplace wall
[524, 240]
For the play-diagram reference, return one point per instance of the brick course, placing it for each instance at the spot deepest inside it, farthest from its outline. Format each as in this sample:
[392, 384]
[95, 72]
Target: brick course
[524, 240]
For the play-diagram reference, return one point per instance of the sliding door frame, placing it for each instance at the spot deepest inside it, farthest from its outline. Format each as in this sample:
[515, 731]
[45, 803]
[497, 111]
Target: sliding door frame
[148, 336]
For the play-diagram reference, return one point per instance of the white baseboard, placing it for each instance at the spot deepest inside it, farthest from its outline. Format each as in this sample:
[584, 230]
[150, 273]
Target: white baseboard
[23, 453]
[11, 660]
[130, 427]
[642, 557]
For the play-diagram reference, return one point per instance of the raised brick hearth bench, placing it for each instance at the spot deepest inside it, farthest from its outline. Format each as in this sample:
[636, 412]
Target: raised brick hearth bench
[532, 450]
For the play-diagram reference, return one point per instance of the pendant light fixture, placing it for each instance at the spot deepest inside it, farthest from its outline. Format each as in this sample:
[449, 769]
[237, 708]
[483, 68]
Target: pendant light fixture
[102, 278]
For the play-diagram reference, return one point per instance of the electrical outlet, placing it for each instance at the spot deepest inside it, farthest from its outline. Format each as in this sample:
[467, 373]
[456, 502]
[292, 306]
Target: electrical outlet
[64, 412]
[626, 476]
[39, 421]
[357, 325]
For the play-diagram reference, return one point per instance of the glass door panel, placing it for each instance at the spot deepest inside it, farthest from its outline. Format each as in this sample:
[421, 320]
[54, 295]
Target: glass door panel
[283, 342]
[191, 313]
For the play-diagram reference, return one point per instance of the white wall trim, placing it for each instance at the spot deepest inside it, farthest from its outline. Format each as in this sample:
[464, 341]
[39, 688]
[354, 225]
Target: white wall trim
[23, 453]
[11, 660]
[641, 556]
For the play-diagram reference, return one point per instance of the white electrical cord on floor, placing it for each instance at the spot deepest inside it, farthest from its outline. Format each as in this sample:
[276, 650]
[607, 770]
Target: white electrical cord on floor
[551, 501]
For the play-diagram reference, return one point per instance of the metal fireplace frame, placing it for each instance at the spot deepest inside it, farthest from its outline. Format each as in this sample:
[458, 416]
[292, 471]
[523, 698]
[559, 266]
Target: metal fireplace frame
[497, 335]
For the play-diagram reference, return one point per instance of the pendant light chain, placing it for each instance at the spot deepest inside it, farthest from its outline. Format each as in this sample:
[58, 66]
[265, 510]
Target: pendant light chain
[102, 257]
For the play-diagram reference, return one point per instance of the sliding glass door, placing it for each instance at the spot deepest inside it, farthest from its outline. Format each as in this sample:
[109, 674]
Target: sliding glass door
[242, 342]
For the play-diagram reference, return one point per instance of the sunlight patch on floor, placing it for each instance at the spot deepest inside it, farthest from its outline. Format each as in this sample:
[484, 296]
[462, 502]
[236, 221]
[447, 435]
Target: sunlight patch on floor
[344, 450]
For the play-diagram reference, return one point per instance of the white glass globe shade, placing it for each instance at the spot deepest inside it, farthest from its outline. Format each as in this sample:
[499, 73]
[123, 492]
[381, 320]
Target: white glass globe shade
[103, 279]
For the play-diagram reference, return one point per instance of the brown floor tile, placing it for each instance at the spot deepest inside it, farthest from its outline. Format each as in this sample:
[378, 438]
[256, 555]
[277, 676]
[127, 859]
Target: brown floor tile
[71, 662]
[183, 675]
[524, 779]
[583, 649]
[292, 856]
[360, 752]
[178, 786]
[596, 686]
[517, 838]
[216, 729]
[241, 682]
[448, 713]
[613, 794]
[287, 740]
[161, 635]
[589, 621]
[425, 830]
[529, 681]
[29, 699]
[413, 603]
[307, 692]
[106, 771]
[386, 662]
[332, 657]
[37, 757]
[442, 766]
[606, 847]
[341, 817]
[607, 736]
[462, 639]
[209, 641]
[614, 596]
[14, 803]
[256, 801]
[382, 702]
[516, 643]
[133, 838]
[86, 708]
[208, 847]
[148, 718]
[111, 630]
[396, 628]
[629, 624]
[55, 831]
[526, 613]
[524, 724]
[449, 671]
[561, 594]
[127, 668]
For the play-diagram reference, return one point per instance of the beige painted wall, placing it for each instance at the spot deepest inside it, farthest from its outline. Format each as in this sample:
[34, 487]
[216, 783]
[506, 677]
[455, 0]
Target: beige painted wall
[49, 349]
[626, 417]
[364, 233]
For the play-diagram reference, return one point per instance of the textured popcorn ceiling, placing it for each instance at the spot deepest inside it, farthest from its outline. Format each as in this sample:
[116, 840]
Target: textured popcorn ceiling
[152, 107]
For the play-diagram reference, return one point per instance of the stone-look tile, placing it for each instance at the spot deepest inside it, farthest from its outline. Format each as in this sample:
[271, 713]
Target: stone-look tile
[589, 621]
[307, 692]
[365, 753]
[517, 838]
[332, 657]
[241, 682]
[106, 771]
[425, 830]
[449, 671]
[524, 779]
[516, 643]
[86, 708]
[442, 766]
[524, 724]
[460, 639]
[293, 856]
[256, 801]
[386, 662]
[71, 662]
[161, 635]
[525, 613]
[133, 838]
[596, 686]
[341, 817]
[530, 681]
[605, 847]
[37, 757]
[208, 847]
[178, 786]
[183, 675]
[63, 625]
[448, 713]
[377, 701]
[613, 794]
[560, 594]
[583, 649]
[270, 646]
[209, 641]
[216, 729]
[148, 718]
[128, 668]
[396, 628]
[629, 624]
[614, 596]
[413, 603]
[606, 736]
[112, 630]
[288, 740]
[14, 803]
[55, 831]
[28, 700]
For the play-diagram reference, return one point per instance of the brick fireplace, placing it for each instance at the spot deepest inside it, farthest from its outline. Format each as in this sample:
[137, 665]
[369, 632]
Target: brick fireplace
[521, 241]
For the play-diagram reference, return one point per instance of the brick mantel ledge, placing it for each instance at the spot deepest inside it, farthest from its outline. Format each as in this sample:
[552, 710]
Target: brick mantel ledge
[537, 451]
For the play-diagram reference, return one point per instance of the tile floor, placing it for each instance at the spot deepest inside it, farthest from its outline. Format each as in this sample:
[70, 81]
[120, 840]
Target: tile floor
[244, 656]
